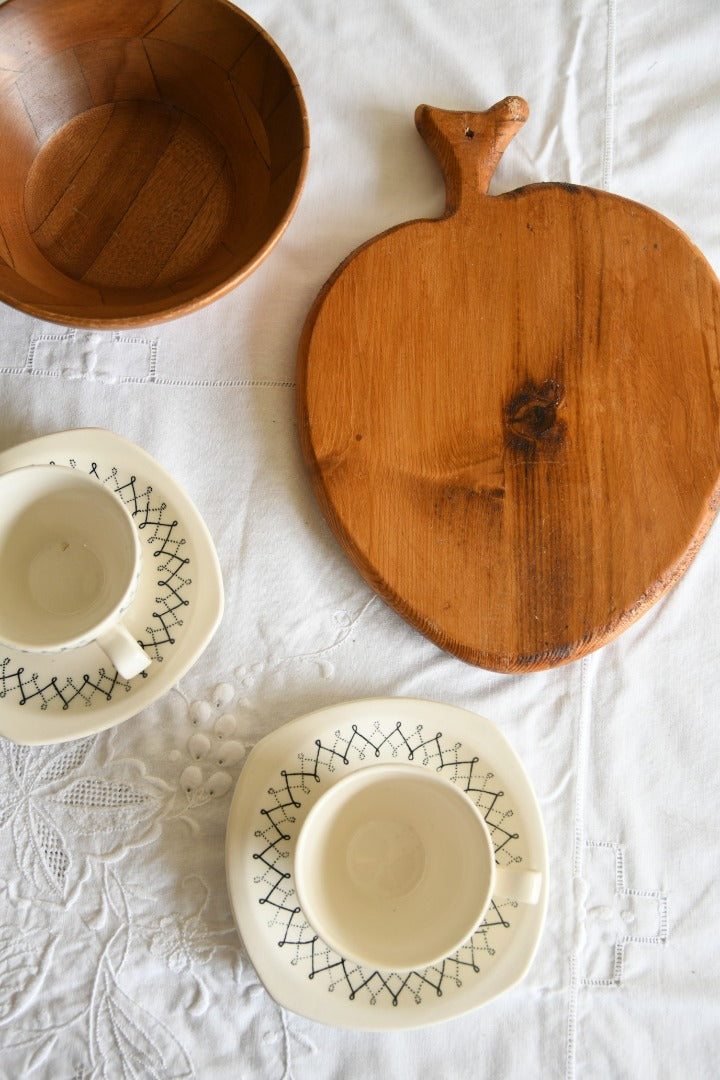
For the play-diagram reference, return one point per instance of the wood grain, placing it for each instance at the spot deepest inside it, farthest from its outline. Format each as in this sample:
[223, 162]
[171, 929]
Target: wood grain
[511, 415]
[153, 154]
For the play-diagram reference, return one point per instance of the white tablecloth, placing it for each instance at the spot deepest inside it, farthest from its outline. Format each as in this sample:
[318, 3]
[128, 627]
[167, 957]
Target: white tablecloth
[118, 953]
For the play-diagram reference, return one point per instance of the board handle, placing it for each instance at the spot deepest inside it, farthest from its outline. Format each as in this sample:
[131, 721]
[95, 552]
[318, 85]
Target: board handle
[469, 145]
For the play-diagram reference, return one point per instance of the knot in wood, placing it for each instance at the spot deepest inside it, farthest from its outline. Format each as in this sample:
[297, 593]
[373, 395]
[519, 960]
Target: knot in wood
[531, 414]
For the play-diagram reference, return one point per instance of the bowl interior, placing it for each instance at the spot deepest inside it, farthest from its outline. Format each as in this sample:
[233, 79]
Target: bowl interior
[153, 154]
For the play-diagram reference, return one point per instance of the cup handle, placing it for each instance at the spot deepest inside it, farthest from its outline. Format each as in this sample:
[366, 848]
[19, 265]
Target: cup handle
[122, 648]
[514, 883]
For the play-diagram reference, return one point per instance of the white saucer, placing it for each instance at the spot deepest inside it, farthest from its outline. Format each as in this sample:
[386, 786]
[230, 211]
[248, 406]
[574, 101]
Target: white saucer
[48, 698]
[284, 776]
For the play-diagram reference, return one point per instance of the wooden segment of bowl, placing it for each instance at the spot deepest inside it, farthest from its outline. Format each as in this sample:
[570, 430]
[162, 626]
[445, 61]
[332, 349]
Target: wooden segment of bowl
[153, 154]
[511, 415]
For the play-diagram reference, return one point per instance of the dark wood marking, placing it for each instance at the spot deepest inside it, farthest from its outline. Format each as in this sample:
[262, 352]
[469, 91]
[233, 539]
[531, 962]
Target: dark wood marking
[531, 415]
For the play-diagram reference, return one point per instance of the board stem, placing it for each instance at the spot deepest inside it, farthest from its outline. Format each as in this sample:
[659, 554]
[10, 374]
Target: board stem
[468, 145]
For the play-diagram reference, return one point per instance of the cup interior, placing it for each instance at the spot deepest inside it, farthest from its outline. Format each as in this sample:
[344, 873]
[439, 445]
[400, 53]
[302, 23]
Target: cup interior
[68, 557]
[394, 867]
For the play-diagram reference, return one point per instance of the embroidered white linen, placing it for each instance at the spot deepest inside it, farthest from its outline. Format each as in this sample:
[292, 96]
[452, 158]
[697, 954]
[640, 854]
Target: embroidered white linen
[118, 953]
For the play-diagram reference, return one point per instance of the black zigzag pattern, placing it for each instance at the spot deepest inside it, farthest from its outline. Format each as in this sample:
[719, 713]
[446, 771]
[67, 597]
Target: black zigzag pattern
[163, 533]
[276, 829]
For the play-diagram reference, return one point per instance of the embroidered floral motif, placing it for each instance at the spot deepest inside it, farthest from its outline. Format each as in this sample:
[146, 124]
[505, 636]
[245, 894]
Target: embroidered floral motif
[69, 815]
[58, 815]
[24, 962]
[187, 941]
[112, 1034]
[321, 659]
[211, 750]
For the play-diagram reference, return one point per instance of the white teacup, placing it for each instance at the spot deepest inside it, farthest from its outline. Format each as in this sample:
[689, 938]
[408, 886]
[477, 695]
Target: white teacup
[70, 563]
[395, 868]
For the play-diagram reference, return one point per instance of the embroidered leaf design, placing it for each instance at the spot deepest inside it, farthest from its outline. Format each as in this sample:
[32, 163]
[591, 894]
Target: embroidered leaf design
[118, 914]
[8, 805]
[57, 764]
[106, 814]
[30, 767]
[41, 1054]
[41, 851]
[102, 794]
[17, 758]
[30, 779]
[131, 1044]
[24, 960]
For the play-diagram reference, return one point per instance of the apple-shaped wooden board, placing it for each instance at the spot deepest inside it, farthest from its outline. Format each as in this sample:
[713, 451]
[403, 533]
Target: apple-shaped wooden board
[510, 414]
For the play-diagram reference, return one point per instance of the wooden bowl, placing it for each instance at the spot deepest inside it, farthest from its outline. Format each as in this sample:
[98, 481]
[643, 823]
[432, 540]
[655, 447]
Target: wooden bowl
[153, 154]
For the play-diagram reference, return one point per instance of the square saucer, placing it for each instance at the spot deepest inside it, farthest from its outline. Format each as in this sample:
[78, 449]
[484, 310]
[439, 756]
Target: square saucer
[54, 697]
[284, 776]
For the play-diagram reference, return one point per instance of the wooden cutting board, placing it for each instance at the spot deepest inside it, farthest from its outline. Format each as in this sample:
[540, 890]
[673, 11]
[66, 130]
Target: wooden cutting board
[510, 415]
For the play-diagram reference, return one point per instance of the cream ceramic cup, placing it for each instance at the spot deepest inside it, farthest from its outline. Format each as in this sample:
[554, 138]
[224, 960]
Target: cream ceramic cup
[395, 868]
[70, 563]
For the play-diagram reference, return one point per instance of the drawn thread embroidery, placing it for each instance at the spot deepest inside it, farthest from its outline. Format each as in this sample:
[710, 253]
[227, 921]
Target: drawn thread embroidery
[163, 534]
[275, 883]
[654, 899]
